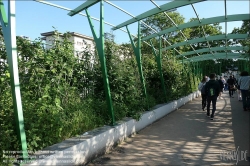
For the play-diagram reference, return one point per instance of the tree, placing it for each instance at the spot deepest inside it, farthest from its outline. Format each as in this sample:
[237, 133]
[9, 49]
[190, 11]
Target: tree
[244, 29]
[160, 22]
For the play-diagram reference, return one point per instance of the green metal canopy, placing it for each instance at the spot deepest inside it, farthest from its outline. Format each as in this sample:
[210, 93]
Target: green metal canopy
[169, 6]
[216, 56]
[236, 17]
[209, 38]
[239, 48]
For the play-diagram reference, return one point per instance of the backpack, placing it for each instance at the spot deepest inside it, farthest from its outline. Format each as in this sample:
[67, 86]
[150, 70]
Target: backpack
[211, 91]
[203, 90]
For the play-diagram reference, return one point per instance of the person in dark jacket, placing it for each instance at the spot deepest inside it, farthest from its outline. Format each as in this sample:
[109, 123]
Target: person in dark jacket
[231, 84]
[221, 86]
[201, 88]
[212, 89]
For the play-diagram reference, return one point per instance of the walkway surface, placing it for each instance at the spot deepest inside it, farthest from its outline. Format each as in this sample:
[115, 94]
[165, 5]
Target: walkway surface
[187, 137]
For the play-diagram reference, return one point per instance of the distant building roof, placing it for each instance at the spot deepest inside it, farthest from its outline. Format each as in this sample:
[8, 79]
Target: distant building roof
[72, 33]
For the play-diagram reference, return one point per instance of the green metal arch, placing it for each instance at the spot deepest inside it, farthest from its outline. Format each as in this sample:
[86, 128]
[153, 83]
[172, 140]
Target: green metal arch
[236, 17]
[209, 38]
[165, 7]
[213, 49]
[217, 56]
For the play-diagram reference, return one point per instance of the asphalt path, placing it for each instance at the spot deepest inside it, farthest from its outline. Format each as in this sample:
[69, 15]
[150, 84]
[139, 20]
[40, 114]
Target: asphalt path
[187, 137]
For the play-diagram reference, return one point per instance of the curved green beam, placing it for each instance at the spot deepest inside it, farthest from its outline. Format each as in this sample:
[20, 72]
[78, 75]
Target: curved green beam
[4, 20]
[209, 38]
[82, 7]
[213, 49]
[217, 56]
[165, 7]
[212, 20]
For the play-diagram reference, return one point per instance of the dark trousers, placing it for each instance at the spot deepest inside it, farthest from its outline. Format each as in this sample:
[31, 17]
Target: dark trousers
[204, 100]
[230, 92]
[245, 100]
[212, 99]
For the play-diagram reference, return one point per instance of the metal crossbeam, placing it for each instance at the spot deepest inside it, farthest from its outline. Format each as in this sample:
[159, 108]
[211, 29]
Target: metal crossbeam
[82, 7]
[209, 38]
[237, 17]
[165, 7]
[214, 49]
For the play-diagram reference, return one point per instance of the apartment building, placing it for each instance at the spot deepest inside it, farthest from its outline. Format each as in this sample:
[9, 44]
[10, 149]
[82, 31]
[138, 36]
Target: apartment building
[80, 42]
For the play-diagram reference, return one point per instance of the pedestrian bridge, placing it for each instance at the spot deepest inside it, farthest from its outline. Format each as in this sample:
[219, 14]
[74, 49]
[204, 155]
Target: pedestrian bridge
[183, 136]
[187, 137]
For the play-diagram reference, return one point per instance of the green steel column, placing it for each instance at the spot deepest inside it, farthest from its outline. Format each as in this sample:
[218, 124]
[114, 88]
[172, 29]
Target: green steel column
[202, 72]
[193, 72]
[240, 66]
[198, 71]
[159, 65]
[9, 33]
[220, 69]
[137, 51]
[100, 49]
[217, 69]
[248, 65]
[182, 64]
[190, 79]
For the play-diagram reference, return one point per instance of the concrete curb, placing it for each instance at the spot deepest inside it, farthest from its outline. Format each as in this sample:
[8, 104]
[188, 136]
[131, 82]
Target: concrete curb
[81, 150]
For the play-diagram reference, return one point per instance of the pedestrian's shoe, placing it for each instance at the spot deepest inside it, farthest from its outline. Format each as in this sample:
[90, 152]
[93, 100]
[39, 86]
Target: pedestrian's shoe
[208, 116]
[211, 118]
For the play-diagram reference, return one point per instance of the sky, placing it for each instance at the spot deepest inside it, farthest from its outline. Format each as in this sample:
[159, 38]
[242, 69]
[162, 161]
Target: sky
[34, 18]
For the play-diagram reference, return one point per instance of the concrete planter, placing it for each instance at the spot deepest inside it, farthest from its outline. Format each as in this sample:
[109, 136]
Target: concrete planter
[80, 150]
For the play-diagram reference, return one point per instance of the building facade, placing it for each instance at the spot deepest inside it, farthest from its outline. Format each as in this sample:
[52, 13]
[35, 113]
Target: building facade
[80, 42]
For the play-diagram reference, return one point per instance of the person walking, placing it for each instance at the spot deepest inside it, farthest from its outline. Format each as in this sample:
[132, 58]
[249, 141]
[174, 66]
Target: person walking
[244, 83]
[201, 87]
[238, 90]
[221, 87]
[224, 83]
[235, 83]
[231, 84]
[212, 90]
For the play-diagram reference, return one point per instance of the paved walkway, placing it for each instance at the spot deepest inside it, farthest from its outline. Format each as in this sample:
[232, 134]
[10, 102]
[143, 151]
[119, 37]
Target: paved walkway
[188, 137]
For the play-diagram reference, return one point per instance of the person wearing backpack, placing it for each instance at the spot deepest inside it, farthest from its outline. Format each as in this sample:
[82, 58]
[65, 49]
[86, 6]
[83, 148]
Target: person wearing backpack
[201, 87]
[212, 90]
